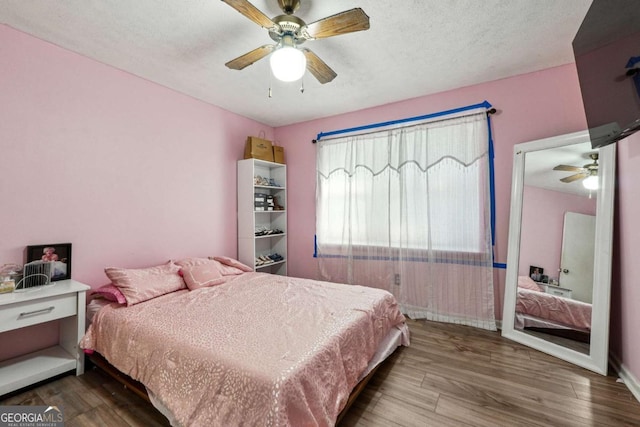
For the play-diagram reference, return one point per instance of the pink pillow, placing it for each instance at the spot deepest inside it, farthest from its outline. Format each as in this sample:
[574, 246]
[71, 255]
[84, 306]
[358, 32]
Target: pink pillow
[202, 275]
[528, 283]
[189, 262]
[110, 293]
[227, 270]
[142, 284]
[226, 265]
[233, 263]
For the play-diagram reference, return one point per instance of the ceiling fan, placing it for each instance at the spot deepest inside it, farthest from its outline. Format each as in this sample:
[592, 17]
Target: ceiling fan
[288, 61]
[588, 172]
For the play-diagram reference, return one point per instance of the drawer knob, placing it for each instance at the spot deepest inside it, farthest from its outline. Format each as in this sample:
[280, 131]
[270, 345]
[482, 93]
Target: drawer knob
[36, 312]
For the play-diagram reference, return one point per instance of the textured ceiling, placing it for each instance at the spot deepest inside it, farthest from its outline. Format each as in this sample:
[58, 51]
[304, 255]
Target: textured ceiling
[413, 48]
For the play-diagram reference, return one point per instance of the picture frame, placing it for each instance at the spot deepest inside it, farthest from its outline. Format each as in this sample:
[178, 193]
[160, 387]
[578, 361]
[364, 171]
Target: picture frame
[59, 253]
[536, 273]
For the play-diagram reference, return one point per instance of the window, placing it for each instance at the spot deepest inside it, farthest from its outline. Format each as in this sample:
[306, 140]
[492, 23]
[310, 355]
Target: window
[421, 187]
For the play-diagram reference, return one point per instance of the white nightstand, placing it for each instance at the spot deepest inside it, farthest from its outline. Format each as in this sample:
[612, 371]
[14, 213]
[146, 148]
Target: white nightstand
[555, 290]
[64, 301]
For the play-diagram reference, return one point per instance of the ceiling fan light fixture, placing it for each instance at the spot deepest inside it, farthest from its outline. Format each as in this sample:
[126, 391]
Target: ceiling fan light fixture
[591, 182]
[288, 64]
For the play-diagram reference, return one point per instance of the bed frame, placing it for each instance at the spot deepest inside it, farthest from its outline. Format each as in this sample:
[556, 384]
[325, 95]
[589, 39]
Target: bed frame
[139, 389]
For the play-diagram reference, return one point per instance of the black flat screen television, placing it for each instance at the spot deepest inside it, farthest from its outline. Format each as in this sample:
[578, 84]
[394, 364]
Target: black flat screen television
[607, 53]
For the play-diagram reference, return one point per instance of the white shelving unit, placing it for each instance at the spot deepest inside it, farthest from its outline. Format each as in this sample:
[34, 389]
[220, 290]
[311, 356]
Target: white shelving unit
[251, 246]
[64, 301]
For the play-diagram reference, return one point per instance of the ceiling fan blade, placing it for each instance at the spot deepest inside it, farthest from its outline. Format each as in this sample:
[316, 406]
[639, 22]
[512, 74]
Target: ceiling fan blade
[250, 57]
[574, 177]
[345, 22]
[568, 168]
[316, 66]
[253, 13]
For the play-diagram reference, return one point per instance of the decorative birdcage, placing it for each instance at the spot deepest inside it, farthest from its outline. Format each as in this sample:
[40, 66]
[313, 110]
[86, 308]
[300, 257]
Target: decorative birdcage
[35, 274]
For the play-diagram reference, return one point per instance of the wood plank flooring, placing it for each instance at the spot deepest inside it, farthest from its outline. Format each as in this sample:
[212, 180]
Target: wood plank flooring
[450, 376]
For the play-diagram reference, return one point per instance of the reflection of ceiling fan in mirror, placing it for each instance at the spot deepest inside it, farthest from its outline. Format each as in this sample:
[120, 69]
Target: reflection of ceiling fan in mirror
[288, 60]
[588, 173]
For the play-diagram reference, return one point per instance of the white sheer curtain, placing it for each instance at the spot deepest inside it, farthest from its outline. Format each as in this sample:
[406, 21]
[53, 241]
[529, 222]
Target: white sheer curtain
[408, 210]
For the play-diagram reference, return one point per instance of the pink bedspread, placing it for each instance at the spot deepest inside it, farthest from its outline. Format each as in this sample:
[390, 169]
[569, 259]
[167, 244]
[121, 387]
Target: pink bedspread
[259, 350]
[567, 312]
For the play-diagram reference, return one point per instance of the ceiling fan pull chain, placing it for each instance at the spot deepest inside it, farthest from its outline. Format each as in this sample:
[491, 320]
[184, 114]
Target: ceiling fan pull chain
[302, 85]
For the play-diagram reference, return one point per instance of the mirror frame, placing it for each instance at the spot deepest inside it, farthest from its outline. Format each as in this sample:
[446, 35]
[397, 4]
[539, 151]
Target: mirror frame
[597, 359]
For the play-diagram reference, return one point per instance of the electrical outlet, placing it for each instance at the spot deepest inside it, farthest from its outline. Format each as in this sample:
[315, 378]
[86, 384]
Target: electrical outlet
[396, 279]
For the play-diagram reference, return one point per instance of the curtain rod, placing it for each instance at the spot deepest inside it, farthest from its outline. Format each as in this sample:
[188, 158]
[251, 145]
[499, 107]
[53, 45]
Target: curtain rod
[484, 104]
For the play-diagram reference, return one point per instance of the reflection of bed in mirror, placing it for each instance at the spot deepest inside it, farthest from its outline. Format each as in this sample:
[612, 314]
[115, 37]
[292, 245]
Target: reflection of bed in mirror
[540, 311]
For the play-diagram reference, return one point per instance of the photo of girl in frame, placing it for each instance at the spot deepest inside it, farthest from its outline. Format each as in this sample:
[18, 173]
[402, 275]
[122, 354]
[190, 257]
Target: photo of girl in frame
[536, 273]
[59, 254]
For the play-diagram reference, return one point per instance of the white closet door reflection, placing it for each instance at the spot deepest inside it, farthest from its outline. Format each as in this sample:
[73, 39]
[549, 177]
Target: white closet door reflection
[578, 251]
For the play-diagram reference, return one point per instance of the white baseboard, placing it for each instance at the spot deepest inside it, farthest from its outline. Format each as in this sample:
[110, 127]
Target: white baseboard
[629, 379]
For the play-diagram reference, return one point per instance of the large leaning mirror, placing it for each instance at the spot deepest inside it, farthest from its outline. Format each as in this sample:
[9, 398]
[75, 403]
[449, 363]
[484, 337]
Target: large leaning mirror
[559, 258]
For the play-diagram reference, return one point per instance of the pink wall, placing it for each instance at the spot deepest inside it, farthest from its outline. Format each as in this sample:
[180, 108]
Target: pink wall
[542, 224]
[130, 172]
[625, 297]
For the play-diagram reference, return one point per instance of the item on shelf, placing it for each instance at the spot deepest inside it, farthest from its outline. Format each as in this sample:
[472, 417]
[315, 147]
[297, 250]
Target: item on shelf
[258, 148]
[264, 231]
[263, 260]
[275, 257]
[262, 181]
[265, 182]
[262, 206]
[278, 154]
[277, 206]
[263, 202]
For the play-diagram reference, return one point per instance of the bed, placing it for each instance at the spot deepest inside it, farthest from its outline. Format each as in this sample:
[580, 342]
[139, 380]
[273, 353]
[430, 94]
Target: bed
[543, 311]
[253, 349]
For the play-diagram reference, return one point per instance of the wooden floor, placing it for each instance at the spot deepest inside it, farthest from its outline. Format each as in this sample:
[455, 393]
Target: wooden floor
[450, 376]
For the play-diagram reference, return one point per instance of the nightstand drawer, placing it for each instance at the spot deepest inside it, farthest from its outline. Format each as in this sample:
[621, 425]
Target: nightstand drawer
[556, 290]
[19, 315]
[559, 292]
[566, 293]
